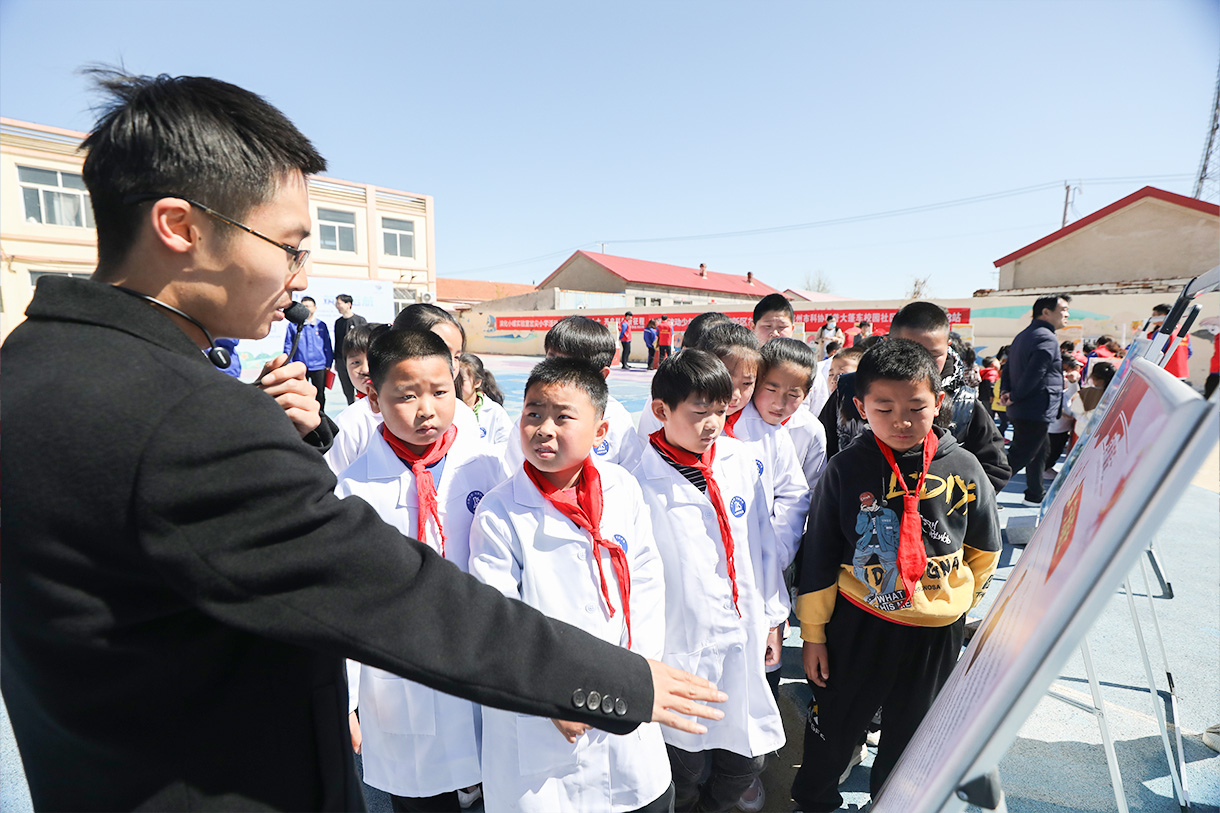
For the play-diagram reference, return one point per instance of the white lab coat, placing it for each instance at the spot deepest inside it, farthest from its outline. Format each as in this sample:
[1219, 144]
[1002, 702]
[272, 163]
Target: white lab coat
[621, 445]
[524, 547]
[357, 424]
[783, 481]
[818, 395]
[704, 634]
[418, 741]
[809, 439]
[494, 424]
[648, 424]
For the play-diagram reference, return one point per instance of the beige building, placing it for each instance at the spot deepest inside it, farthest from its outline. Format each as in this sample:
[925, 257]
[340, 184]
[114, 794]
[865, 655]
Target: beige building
[361, 232]
[1150, 241]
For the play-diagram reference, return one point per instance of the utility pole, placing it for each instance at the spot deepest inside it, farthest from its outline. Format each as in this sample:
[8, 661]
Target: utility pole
[1207, 182]
[1067, 191]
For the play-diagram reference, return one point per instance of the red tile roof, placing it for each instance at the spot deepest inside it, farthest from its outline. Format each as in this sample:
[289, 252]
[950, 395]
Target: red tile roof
[1146, 192]
[644, 272]
[477, 290]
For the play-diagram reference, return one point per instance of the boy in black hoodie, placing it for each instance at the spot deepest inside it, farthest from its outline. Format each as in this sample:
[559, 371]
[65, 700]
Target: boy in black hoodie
[901, 543]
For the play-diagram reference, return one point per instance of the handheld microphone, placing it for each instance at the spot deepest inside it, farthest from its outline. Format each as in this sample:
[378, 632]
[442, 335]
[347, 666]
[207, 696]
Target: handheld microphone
[219, 356]
[298, 314]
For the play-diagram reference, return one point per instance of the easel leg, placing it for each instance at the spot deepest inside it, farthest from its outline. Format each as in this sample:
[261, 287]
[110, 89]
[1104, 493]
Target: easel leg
[1173, 695]
[1099, 711]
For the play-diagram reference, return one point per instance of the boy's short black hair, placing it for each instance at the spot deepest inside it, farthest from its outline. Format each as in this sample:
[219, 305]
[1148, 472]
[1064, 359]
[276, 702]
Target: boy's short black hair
[580, 337]
[1067, 346]
[729, 340]
[393, 346]
[926, 317]
[360, 338]
[897, 360]
[1048, 303]
[833, 347]
[1162, 310]
[423, 317]
[773, 303]
[788, 351]
[184, 136]
[853, 353]
[692, 372]
[699, 325]
[570, 371]
[1068, 362]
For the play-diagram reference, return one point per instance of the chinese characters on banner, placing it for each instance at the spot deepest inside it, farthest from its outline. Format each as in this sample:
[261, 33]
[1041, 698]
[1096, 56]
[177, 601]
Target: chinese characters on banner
[812, 319]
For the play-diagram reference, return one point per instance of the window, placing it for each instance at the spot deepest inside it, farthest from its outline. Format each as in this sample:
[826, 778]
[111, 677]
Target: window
[337, 230]
[640, 302]
[655, 302]
[55, 198]
[684, 302]
[398, 237]
[403, 297]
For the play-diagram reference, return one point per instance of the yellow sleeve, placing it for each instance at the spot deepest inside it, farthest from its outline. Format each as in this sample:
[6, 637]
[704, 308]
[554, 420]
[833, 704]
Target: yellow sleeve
[814, 610]
[982, 564]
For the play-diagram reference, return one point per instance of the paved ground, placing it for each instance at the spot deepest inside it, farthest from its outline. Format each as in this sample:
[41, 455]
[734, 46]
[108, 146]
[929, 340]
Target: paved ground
[1056, 763]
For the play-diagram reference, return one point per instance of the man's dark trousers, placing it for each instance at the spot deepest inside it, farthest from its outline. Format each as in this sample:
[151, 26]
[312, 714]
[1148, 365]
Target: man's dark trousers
[626, 351]
[349, 390]
[1028, 451]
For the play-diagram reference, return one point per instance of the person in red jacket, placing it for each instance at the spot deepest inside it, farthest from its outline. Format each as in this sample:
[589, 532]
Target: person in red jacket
[624, 337]
[1178, 363]
[665, 339]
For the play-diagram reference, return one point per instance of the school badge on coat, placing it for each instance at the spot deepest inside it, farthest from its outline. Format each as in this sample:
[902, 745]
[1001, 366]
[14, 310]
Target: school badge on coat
[602, 449]
[472, 500]
[737, 507]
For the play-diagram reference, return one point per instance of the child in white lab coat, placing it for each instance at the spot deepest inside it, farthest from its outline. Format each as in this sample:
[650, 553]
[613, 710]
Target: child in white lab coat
[425, 476]
[784, 379]
[481, 393]
[358, 422]
[570, 535]
[724, 598]
[580, 337]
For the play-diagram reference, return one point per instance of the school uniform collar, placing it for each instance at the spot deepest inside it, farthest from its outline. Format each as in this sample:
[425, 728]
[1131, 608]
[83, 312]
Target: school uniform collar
[383, 464]
[526, 493]
[654, 467]
[86, 301]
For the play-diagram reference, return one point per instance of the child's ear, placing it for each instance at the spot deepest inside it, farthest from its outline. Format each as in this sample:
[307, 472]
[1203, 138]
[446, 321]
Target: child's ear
[372, 396]
[940, 399]
[860, 406]
[603, 429]
[606, 373]
[660, 410]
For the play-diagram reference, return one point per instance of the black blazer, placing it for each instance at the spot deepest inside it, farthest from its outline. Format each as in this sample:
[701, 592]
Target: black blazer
[181, 584]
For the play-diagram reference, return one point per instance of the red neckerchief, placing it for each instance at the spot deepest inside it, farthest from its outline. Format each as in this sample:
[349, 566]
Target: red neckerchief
[585, 512]
[730, 421]
[704, 464]
[360, 395]
[912, 557]
[784, 422]
[425, 487]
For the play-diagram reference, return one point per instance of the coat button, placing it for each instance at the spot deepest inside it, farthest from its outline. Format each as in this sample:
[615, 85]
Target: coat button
[578, 698]
[607, 705]
[620, 707]
[588, 608]
[582, 555]
[594, 701]
[728, 605]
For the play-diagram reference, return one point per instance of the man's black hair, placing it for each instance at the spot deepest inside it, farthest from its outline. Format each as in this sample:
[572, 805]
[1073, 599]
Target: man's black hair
[926, 317]
[897, 360]
[580, 337]
[697, 326]
[1162, 309]
[692, 372]
[344, 298]
[1048, 303]
[1067, 346]
[833, 347]
[360, 338]
[189, 136]
[309, 299]
[570, 371]
[773, 303]
[422, 316]
[788, 351]
[394, 346]
[1069, 362]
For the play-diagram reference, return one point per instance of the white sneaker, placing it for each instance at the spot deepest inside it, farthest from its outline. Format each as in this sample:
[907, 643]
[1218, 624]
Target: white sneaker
[856, 759]
[873, 738]
[754, 798]
[469, 796]
[1211, 737]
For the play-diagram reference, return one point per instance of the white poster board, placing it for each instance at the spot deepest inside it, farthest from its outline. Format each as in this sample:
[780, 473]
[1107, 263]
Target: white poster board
[1144, 450]
[372, 299]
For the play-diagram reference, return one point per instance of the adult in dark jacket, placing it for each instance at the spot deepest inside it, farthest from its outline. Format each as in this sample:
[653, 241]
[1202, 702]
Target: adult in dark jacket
[347, 320]
[1031, 388]
[181, 584]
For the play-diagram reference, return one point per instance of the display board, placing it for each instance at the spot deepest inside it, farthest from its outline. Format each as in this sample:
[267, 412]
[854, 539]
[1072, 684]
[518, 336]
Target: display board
[1131, 469]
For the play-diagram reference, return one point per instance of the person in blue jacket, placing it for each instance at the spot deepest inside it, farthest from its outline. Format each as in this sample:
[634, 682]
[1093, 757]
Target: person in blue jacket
[234, 368]
[314, 348]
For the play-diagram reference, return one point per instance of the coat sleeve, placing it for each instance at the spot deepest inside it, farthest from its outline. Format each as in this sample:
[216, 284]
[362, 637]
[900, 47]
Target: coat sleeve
[791, 504]
[1034, 371]
[985, 442]
[288, 334]
[327, 350]
[829, 417]
[981, 546]
[647, 585]
[821, 555]
[245, 526]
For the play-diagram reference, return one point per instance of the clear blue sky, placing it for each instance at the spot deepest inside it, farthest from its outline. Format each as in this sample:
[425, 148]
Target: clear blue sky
[540, 128]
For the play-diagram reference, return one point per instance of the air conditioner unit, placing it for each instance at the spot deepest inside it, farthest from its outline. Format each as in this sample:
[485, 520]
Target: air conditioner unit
[426, 296]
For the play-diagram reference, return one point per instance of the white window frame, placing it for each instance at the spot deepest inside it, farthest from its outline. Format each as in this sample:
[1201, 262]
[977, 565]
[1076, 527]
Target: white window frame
[339, 228]
[398, 236]
[49, 197]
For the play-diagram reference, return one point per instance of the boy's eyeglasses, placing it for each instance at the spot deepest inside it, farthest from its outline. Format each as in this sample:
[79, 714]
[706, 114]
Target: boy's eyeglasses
[299, 255]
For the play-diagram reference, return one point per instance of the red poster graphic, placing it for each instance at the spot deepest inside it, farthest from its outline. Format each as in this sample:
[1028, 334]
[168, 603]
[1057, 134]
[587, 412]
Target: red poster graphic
[812, 319]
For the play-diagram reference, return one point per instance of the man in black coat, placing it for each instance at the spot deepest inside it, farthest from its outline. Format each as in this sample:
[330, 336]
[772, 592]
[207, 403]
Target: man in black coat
[1031, 387]
[181, 584]
[347, 320]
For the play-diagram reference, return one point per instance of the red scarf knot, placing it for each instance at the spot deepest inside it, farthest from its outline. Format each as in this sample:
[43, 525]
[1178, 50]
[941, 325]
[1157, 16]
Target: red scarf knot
[703, 463]
[912, 556]
[585, 512]
[730, 423]
[425, 486]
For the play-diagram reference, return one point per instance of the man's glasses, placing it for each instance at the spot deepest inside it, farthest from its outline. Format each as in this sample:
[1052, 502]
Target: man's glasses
[299, 255]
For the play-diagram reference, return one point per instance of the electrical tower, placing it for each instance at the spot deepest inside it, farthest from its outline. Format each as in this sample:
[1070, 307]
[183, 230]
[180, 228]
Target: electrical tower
[1207, 184]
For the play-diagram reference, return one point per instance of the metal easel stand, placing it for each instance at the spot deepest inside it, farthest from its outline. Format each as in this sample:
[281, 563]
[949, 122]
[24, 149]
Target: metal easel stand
[1166, 587]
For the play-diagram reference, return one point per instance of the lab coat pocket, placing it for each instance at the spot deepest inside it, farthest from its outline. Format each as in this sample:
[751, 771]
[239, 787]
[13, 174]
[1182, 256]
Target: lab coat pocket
[541, 748]
[403, 706]
[707, 663]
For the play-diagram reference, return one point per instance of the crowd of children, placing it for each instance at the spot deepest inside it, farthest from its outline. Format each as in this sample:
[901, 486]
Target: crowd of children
[680, 538]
